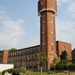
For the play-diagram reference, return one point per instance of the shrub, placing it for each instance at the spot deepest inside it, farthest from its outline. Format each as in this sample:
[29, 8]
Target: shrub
[62, 65]
[50, 72]
[72, 67]
[65, 65]
[14, 71]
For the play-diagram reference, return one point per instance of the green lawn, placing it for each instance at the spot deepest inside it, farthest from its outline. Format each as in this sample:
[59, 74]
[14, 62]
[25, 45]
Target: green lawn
[0, 73]
[35, 73]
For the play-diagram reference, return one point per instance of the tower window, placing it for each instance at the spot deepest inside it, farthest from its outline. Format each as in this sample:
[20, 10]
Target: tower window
[42, 47]
[52, 47]
[43, 28]
[43, 40]
[42, 19]
[52, 1]
[43, 24]
[41, 2]
[51, 23]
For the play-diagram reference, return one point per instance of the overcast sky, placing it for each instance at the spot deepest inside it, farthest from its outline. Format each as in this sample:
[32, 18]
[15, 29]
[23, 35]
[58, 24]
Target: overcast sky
[19, 23]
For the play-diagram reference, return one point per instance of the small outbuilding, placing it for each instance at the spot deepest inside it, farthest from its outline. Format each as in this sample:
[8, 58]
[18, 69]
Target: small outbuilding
[6, 66]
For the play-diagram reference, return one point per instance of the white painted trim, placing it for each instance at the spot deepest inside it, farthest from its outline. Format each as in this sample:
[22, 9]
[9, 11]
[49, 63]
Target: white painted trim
[47, 9]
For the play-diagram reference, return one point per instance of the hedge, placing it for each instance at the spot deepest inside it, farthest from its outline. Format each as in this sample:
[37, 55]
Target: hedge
[14, 71]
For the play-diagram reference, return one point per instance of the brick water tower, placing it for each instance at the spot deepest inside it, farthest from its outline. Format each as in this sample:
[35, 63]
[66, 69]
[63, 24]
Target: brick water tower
[47, 10]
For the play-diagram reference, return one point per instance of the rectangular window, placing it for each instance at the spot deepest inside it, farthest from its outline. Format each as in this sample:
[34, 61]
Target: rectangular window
[43, 28]
[51, 23]
[52, 41]
[42, 19]
[20, 52]
[25, 51]
[43, 39]
[41, 2]
[53, 1]
[42, 47]
[73, 55]
[43, 42]
[43, 24]
[28, 50]
[52, 47]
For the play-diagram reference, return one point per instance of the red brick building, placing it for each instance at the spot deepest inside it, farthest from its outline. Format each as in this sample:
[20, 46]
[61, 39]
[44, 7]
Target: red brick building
[47, 10]
[24, 57]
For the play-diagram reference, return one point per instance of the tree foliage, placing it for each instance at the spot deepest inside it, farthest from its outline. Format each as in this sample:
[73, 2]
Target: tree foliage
[64, 55]
[12, 49]
[63, 65]
[55, 60]
[40, 57]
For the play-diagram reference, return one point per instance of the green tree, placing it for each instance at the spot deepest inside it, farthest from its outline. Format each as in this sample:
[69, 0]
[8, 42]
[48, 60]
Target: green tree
[12, 49]
[64, 55]
[63, 64]
[40, 58]
[55, 60]
[60, 65]
[67, 64]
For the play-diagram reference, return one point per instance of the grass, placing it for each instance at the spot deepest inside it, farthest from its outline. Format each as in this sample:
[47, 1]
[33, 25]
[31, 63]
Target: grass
[34, 73]
[45, 73]
[0, 73]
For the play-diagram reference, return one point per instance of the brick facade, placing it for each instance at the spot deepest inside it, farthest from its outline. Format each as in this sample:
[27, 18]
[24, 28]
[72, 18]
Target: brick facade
[63, 47]
[47, 11]
[3, 56]
[24, 57]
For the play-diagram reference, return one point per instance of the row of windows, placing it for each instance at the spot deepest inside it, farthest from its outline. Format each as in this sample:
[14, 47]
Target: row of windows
[1, 54]
[31, 63]
[28, 57]
[31, 50]
[0, 60]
